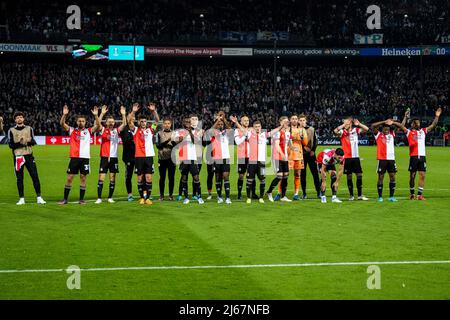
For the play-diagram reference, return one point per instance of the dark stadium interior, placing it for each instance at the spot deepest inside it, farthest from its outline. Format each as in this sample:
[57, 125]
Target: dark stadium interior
[310, 22]
[326, 88]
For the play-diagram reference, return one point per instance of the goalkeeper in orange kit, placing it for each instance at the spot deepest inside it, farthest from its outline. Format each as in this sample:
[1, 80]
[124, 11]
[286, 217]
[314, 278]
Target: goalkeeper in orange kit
[299, 139]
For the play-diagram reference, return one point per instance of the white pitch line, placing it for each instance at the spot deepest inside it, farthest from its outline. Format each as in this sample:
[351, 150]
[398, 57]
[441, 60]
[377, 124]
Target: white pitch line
[237, 266]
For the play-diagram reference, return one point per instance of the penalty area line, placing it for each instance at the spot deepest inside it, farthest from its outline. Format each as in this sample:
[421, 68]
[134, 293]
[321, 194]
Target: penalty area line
[237, 266]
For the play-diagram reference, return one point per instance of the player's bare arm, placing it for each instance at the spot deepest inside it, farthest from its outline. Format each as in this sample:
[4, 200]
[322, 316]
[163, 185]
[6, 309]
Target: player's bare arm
[123, 113]
[64, 118]
[271, 133]
[376, 125]
[406, 117]
[435, 120]
[239, 139]
[100, 118]
[95, 127]
[278, 148]
[337, 130]
[152, 108]
[134, 109]
[338, 176]
[399, 125]
[1, 124]
[362, 126]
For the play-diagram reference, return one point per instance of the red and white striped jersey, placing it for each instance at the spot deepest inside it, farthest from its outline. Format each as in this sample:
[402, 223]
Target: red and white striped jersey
[143, 140]
[242, 144]
[80, 143]
[187, 148]
[416, 141]
[385, 146]
[349, 141]
[326, 157]
[220, 145]
[257, 146]
[110, 142]
[284, 138]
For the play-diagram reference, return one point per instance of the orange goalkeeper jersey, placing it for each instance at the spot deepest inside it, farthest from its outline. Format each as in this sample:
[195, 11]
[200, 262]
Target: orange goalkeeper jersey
[299, 139]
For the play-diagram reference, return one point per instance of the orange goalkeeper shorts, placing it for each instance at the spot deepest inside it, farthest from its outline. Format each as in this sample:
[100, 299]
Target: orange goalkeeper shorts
[296, 164]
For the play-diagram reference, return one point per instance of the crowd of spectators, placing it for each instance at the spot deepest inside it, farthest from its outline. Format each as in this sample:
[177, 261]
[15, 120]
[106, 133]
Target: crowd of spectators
[325, 93]
[309, 22]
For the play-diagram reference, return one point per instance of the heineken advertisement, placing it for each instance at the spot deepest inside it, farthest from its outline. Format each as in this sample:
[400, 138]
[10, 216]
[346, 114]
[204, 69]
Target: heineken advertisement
[249, 51]
[381, 52]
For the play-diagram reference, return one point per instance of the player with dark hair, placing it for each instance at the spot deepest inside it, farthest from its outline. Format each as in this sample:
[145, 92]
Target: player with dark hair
[281, 142]
[220, 136]
[417, 158]
[187, 155]
[386, 156]
[326, 162]
[166, 166]
[309, 157]
[80, 151]
[21, 141]
[109, 159]
[143, 140]
[349, 141]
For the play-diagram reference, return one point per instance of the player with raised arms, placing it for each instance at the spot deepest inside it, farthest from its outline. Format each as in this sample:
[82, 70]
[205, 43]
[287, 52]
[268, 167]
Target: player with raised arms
[109, 155]
[257, 140]
[80, 151]
[349, 140]
[386, 156]
[187, 155]
[143, 140]
[326, 162]
[220, 136]
[417, 157]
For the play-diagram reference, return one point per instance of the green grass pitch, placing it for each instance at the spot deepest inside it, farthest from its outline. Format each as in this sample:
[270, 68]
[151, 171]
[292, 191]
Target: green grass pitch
[170, 234]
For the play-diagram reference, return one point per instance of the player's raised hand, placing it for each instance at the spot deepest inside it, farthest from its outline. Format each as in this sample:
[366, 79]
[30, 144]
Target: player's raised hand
[221, 115]
[65, 110]
[407, 113]
[104, 109]
[356, 122]
[438, 112]
[95, 111]
[389, 122]
[152, 107]
[123, 110]
[136, 107]
[233, 119]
